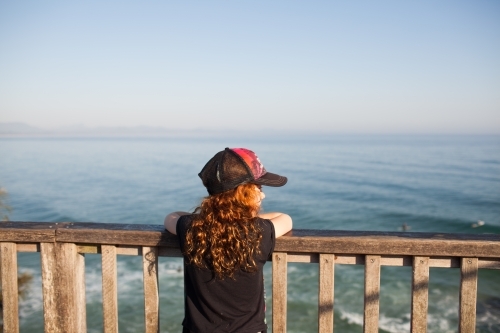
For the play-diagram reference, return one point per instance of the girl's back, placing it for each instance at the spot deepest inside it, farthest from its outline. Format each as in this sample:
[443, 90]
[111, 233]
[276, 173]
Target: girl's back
[225, 305]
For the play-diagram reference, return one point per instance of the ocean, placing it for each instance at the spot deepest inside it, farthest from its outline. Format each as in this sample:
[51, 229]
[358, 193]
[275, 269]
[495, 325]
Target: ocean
[345, 182]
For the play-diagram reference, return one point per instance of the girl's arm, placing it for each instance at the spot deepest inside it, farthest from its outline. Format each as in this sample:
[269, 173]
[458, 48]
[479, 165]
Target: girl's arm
[282, 222]
[171, 221]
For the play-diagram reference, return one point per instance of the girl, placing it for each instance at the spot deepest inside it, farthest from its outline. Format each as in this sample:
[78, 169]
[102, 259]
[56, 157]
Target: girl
[225, 244]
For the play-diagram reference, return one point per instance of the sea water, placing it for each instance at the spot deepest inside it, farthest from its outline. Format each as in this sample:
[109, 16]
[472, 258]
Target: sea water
[429, 183]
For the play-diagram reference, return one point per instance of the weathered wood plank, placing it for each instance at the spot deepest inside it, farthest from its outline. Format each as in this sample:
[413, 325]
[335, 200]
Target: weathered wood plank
[468, 295]
[151, 297]
[63, 283]
[449, 262]
[302, 257]
[117, 234]
[89, 248]
[359, 259]
[313, 233]
[23, 225]
[326, 292]
[389, 246]
[28, 247]
[372, 294]
[130, 250]
[27, 232]
[395, 260]
[387, 243]
[109, 289]
[489, 264]
[279, 292]
[8, 269]
[350, 259]
[117, 237]
[420, 294]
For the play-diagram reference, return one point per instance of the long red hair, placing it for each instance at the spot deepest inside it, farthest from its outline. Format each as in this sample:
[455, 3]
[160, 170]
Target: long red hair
[223, 236]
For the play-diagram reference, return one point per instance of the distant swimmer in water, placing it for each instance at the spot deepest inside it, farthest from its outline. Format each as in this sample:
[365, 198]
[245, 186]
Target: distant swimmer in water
[478, 224]
[405, 227]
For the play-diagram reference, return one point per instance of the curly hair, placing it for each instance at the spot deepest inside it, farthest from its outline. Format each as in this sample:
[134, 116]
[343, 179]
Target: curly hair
[223, 235]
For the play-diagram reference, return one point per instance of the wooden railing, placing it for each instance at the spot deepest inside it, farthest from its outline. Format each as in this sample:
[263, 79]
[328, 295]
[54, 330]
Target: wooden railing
[62, 247]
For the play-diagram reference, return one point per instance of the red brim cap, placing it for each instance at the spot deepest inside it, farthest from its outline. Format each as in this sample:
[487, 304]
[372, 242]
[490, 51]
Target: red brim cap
[271, 179]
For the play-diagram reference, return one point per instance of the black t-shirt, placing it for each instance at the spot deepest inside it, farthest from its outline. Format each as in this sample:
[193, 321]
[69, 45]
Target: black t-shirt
[227, 305]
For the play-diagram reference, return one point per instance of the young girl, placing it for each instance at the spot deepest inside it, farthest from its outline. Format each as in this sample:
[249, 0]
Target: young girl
[225, 244]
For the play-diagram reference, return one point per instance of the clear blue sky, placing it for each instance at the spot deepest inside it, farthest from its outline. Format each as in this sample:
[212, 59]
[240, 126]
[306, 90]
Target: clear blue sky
[334, 66]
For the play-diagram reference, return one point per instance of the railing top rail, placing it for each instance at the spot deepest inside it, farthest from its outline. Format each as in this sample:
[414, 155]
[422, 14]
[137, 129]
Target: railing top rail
[298, 240]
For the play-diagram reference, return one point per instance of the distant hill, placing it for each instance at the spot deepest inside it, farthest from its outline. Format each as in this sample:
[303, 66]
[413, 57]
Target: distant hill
[22, 129]
[18, 128]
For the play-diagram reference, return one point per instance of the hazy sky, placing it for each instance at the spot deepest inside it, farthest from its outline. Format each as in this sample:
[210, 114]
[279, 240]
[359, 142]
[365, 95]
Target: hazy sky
[337, 66]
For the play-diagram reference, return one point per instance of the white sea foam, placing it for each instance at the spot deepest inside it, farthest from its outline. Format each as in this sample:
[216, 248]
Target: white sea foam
[436, 323]
[393, 325]
[352, 317]
[33, 302]
[400, 325]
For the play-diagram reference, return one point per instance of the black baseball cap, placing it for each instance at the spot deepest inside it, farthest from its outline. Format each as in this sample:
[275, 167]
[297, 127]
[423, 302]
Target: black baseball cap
[235, 166]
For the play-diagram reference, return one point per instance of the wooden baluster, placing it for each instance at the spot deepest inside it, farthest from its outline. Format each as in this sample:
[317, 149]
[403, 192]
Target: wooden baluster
[279, 292]
[63, 282]
[372, 294]
[48, 266]
[468, 295]
[326, 292]
[8, 264]
[109, 289]
[420, 294]
[151, 297]
[79, 281]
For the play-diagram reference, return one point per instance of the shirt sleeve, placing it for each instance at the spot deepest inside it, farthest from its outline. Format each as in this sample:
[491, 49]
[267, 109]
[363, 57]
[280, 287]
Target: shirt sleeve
[269, 236]
[181, 228]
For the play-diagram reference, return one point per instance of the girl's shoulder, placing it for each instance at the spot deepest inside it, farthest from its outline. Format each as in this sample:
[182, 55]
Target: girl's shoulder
[262, 221]
[268, 238]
